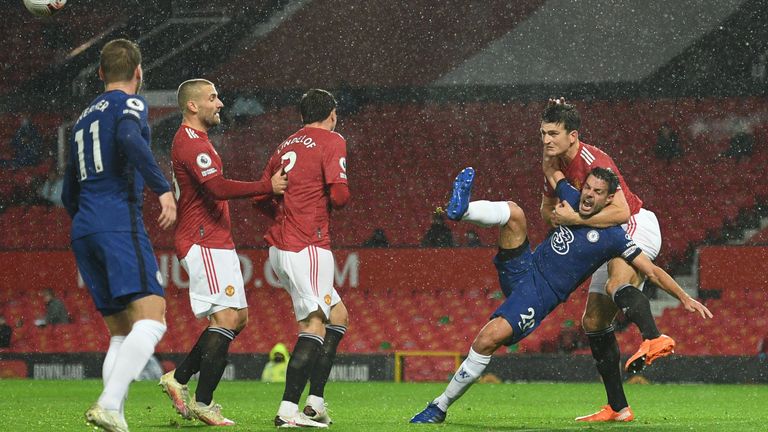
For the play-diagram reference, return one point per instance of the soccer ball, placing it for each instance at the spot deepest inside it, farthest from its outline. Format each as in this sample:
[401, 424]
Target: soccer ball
[44, 8]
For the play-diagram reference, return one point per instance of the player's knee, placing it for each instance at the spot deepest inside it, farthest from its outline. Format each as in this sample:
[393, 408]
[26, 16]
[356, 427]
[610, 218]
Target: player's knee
[593, 322]
[339, 316]
[516, 214]
[486, 343]
[242, 322]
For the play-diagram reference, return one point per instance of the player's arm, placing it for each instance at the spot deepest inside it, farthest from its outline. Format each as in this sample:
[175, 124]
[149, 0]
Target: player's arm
[549, 198]
[221, 188]
[547, 208]
[335, 172]
[658, 276]
[136, 149]
[339, 195]
[615, 213]
[70, 191]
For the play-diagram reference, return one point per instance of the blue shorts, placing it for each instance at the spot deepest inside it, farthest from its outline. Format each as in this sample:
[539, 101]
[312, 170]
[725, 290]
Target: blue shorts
[528, 300]
[118, 268]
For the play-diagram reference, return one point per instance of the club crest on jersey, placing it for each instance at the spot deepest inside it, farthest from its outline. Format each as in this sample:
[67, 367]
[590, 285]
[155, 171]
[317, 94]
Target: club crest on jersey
[593, 236]
[136, 104]
[204, 160]
[229, 290]
[327, 299]
[561, 240]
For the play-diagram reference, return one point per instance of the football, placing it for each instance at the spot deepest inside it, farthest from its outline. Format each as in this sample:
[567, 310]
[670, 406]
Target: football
[44, 8]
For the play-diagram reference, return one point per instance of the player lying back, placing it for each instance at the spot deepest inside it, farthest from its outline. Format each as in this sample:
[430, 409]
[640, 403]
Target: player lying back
[535, 282]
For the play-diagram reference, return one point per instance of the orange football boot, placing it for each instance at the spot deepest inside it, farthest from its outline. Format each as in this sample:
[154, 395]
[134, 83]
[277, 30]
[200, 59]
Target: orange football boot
[607, 414]
[650, 350]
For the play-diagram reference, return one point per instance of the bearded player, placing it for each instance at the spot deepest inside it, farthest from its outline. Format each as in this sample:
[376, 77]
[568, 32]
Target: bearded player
[204, 246]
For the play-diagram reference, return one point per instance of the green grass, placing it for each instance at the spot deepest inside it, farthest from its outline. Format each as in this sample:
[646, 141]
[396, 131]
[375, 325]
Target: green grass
[28, 405]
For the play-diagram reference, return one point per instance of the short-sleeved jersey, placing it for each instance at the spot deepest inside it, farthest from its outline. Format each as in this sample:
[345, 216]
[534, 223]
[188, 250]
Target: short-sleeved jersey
[314, 158]
[590, 157]
[202, 219]
[569, 255]
[111, 190]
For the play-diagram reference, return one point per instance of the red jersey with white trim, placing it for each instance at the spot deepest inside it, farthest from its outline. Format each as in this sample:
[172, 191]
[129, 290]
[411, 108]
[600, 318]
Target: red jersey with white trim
[587, 158]
[202, 219]
[313, 158]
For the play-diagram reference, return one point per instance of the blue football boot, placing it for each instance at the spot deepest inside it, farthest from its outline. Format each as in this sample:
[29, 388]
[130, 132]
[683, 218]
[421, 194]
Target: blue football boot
[431, 414]
[462, 187]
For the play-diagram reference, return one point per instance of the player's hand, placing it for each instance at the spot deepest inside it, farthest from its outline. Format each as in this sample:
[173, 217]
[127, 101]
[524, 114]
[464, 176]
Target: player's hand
[167, 210]
[564, 214]
[549, 165]
[279, 182]
[692, 305]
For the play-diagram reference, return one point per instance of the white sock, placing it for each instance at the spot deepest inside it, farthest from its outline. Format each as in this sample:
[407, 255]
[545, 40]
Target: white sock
[287, 409]
[136, 349]
[465, 376]
[487, 213]
[316, 402]
[115, 342]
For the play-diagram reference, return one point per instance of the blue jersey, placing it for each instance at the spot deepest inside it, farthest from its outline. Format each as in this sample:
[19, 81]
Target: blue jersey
[108, 164]
[570, 254]
[536, 282]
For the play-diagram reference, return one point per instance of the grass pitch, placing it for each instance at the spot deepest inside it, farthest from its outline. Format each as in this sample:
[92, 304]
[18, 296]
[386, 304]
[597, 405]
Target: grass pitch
[28, 405]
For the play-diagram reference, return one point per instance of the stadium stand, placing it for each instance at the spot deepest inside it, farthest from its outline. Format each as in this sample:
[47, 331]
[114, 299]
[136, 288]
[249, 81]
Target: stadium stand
[403, 155]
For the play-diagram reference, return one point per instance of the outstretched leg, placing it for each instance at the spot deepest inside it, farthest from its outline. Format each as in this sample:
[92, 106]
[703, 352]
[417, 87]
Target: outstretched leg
[490, 338]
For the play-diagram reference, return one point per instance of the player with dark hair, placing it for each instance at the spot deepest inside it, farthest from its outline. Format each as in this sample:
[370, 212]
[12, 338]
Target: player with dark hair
[615, 284]
[534, 283]
[204, 246]
[315, 159]
[109, 161]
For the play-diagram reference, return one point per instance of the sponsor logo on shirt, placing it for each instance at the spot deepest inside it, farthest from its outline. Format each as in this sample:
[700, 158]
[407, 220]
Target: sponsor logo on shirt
[561, 240]
[132, 112]
[208, 172]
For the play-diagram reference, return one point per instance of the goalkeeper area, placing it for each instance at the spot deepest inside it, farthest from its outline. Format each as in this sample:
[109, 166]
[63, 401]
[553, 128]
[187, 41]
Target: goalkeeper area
[38, 405]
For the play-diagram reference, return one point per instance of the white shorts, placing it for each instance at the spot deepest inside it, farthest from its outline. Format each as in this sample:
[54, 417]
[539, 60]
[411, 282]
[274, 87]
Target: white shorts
[644, 229]
[307, 275]
[215, 280]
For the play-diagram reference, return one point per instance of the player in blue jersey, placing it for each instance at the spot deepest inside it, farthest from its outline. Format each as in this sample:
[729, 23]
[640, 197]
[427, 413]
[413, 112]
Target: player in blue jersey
[108, 165]
[535, 282]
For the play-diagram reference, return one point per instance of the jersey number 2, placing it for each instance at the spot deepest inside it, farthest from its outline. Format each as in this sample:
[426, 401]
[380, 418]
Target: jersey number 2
[97, 162]
[291, 158]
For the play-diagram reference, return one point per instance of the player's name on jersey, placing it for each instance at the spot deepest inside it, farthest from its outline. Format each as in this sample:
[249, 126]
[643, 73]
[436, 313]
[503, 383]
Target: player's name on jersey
[307, 141]
[100, 106]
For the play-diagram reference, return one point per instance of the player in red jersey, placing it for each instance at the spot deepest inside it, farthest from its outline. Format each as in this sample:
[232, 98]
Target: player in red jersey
[204, 246]
[613, 285]
[315, 160]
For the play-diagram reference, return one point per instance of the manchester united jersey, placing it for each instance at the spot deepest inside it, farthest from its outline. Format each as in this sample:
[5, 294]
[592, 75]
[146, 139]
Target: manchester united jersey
[587, 158]
[202, 219]
[313, 158]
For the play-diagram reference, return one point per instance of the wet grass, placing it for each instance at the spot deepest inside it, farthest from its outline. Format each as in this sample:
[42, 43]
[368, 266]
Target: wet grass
[29, 405]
